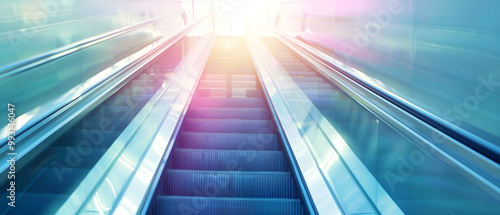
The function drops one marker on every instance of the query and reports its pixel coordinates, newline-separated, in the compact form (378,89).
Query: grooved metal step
(228,184)
(229,102)
(229,160)
(212,205)
(228,126)
(228,141)
(228,113)
(250,93)
(227,156)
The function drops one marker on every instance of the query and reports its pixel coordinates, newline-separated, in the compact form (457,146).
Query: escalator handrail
(78,200)
(19,67)
(318,199)
(473,141)
(61,117)
(137,190)
(458,156)
(39,60)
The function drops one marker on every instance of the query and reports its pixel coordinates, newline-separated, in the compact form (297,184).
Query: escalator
(48,180)
(228,157)
(351,120)
(414,177)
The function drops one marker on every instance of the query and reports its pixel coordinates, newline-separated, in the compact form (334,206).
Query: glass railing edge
(16,67)
(319,191)
(82,198)
(33,137)
(470,163)
(483,146)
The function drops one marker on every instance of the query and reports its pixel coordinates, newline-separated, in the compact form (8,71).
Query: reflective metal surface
(441,56)
(454,132)
(417,175)
(463,160)
(24,145)
(105,185)
(322,198)
(186,78)
(37,164)
(60,71)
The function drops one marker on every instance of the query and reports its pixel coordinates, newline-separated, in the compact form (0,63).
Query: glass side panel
(45,183)
(38,91)
(29,28)
(418,181)
(441,55)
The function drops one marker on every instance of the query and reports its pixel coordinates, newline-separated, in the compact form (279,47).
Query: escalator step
(214,77)
(229,160)
(212,84)
(249,93)
(209,205)
(228,126)
(221,77)
(251,85)
(251,78)
(224,85)
(228,184)
(214,61)
(229,102)
(231,71)
(228,157)
(228,113)
(228,141)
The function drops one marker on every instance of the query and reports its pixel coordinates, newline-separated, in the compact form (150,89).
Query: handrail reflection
(144,160)
(55,54)
(473,141)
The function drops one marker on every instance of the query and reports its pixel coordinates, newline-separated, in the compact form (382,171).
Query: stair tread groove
(228,141)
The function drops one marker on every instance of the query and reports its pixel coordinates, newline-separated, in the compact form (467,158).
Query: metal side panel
(465,161)
(222,156)
(127,161)
(44,65)
(320,195)
(189,74)
(34,140)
